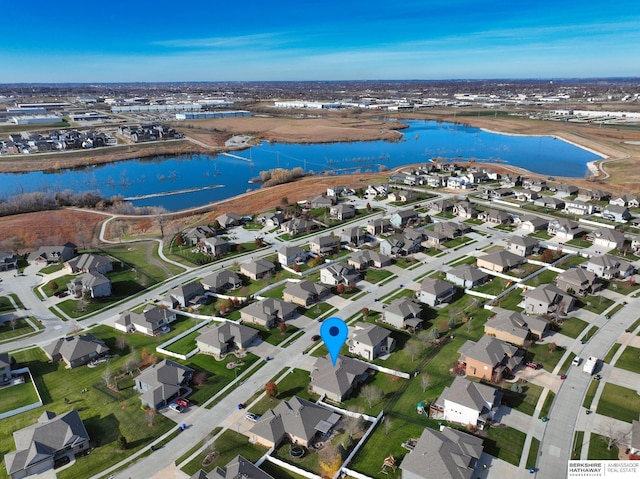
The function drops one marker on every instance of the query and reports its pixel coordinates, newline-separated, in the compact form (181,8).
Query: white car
(176,407)
(252,417)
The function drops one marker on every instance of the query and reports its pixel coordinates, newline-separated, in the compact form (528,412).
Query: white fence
(292,468)
(161,348)
(28,407)
(361,443)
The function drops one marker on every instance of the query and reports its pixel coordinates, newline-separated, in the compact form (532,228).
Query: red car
(532,365)
(183,402)
(315,337)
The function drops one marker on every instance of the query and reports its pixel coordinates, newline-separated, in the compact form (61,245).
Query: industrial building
(35,119)
(201,115)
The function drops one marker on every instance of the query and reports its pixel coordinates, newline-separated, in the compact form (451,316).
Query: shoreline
(591,165)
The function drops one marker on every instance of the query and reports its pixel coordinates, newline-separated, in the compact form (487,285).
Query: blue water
(422,141)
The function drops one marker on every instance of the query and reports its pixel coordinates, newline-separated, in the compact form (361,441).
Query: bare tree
(370,394)
(107,376)
(387,425)
(612,435)
(414,348)
(13,322)
(425,381)
(121,342)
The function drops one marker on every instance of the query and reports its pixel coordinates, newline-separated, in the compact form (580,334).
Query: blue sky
(206,40)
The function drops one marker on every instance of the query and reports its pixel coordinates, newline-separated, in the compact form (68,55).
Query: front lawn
(293,384)
(613,396)
(595,304)
(623,287)
(591,393)
(526,401)
(228,445)
(8,332)
(374,276)
(317,310)
(274,335)
(532,458)
(505,443)
(572,327)
(629,359)
(57,285)
(546,407)
(545,355)
(598,449)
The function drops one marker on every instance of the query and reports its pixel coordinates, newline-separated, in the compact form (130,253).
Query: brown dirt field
(52,227)
(290,130)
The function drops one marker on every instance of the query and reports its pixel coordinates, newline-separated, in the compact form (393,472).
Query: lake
(150,181)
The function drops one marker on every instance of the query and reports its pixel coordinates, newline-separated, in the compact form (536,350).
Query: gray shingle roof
(339,379)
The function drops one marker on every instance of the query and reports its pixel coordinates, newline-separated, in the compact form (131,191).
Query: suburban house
(267,312)
(531,224)
(185,295)
(499,193)
(271,220)
(440,206)
(564,189)
(466,276)
(534,184)
(594,195)
(76,350)
(550,202)
(8,261)
(161,382)
(489,358)
(496,217)
(631,201)
(92,283)
(522,245)
(258,268)
(510,181)
(297,419)
(339,273)
(221,280)
(291,255)
(499,261)
(195,235)
(446,454)
(577,207)
(452,229)
(342,211)
(365,258)
(563,229)
(353,236)
(514,327)
(227,220)
(324,245)
(339,191)
(403,313)
(607,238)
(434,239)
(238,467)
(403,196)
(547,299)
(214,246)
(403,244)
(377,190)
(578,281)
(89,262)
(40,445)
(221,338)
(465,210)
(467,402)
(150,322)
(379,226)
(54,254)
(526,195)
(321,201)
(304,293)
(435,291)
(619,214)
(459,183)
(403,218)
(370,341)
(609,267)
(296,226)
(337,383)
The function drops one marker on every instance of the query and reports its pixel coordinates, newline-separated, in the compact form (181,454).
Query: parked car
(252,417)
(533,365)
(315,337)
(182,402)
(176,407)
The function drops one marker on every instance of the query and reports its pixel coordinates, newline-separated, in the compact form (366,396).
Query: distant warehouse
(35,119)
(201,115)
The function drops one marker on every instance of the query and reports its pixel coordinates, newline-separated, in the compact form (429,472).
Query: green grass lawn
(57,285)
(106,416)
(505,443)
(374,276)
(578,440)
(542,354)
(546,407)
(399,293)
(143,256)
(228,445)
(572,327)
(317,310)
(633,326)
(455,242)
(511,300)
(595,304)
(542,234)
(5,305)
(611,353)
(52,268)
(546,277)
(598,448)
(18,396)
(526,401)
(494,286)
(274,335)
(532,458)
(579,243)
(405,262)
(279,472)
(197,446)
(629,359)
(274,292)
(623,287)
(590,394)
(7,333)
(186,344)
(613,397)
(573,260)
(389,385)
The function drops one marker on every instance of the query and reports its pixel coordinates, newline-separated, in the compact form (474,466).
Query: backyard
(611,399)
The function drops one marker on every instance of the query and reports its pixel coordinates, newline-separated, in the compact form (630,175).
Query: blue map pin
(334,333)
